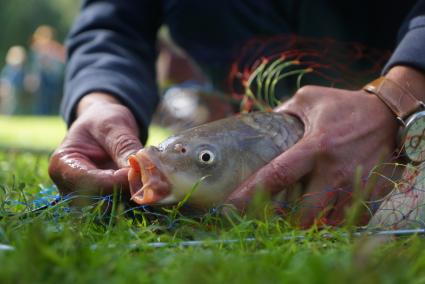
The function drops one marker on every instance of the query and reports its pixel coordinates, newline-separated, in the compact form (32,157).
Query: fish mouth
(148,184)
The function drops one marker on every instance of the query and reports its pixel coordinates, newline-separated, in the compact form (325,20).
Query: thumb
(280,173)
(119,139)
(120,144)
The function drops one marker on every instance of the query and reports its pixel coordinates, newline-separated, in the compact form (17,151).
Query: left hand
(343,130)
(92,159)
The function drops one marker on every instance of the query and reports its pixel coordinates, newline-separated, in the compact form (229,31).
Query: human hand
(343,130)
(93,156)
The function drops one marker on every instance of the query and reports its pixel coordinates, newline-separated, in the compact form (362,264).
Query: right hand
(93,156)
(339,138)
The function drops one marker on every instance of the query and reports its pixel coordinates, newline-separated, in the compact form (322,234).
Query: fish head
(190,163)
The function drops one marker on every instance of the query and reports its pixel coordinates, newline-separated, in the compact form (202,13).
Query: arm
(410,50)
(111,49)
(110,94)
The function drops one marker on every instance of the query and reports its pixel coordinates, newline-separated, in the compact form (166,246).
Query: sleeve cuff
(117,85)
(411,49)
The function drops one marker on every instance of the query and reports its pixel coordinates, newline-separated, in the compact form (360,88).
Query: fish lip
(148,183)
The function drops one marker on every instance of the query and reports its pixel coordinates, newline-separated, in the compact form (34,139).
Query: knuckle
(55,162)
(123,143)
(304,95)
(55,171)
(305,91)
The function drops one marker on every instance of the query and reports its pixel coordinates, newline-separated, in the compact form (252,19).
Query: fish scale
(235,148)
(276,126)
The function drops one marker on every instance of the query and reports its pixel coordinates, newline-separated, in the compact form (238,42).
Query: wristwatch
(409,111)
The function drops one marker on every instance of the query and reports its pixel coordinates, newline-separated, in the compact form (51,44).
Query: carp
(209,161)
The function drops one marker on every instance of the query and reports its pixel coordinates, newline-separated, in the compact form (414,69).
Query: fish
(209,161)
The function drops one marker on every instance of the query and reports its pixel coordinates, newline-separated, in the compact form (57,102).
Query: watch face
(414,143)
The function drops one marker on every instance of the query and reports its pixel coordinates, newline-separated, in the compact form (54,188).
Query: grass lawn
(45,133)
(85,245)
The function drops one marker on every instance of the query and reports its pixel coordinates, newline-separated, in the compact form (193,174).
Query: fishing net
(266,73)
(270,70)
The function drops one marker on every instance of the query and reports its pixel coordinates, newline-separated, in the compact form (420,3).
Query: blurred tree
(20,18)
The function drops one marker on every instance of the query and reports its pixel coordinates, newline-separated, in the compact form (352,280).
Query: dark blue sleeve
(111,49)
(410,50)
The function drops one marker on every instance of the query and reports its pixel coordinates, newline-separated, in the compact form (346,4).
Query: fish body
(217,157)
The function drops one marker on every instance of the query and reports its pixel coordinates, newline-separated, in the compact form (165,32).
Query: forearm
(111,51)
(410,49)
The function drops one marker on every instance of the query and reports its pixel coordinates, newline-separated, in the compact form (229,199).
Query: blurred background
(32,62)
(32,55)
(31,71)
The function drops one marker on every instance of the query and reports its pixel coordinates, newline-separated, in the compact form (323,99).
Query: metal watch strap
(400,100)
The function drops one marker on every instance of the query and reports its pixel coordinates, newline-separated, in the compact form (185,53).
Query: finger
(119,139)
(75,172)
(374,186)
(280,173)
(319,202)
(325,204)
(327,197)
(348,210)
(121,145)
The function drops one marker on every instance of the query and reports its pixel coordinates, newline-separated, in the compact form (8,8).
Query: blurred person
(12,96)
(46,64)
(110,92)
(7,102)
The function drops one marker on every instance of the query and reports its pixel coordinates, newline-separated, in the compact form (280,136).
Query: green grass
(86,246)
(31,132)
(83,246)
(46,133)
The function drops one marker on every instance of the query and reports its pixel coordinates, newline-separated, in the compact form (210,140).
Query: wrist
(403,91)
(95,98)
(410,79)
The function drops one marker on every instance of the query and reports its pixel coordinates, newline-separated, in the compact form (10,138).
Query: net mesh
(269,71)
(266,73)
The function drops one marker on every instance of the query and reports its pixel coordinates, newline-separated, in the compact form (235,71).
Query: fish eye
(206,157)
